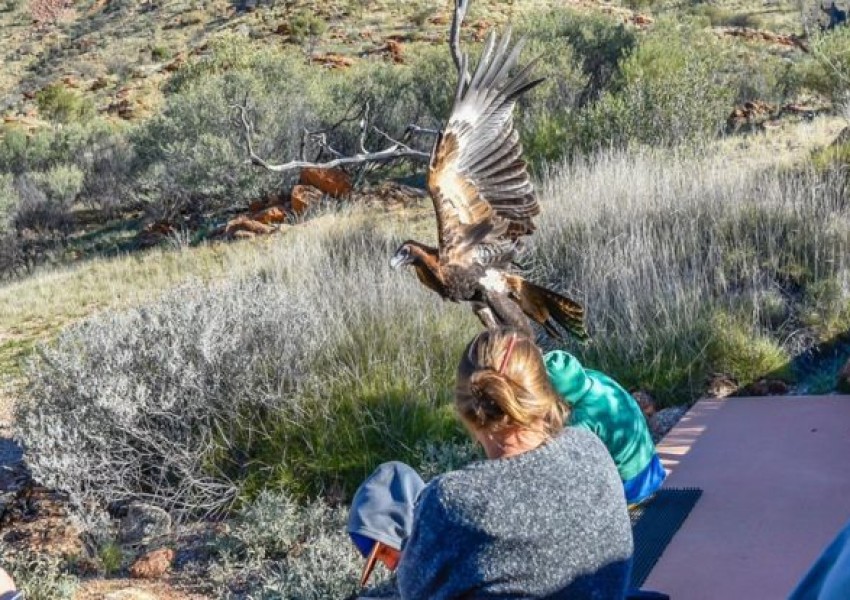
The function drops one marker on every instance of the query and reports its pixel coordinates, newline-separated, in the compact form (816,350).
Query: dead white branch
(461,6)
(396,151)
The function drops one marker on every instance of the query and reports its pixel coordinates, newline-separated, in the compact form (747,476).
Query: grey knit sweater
(548,523)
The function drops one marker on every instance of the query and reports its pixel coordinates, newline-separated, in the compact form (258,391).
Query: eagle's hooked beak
(402,258)
(398,261)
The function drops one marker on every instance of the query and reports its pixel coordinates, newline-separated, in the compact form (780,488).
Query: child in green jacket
(602,406)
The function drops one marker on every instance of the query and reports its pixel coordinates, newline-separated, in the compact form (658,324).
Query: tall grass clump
(302,377)
(689,266)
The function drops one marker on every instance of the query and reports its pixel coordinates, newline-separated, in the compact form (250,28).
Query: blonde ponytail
(502,383)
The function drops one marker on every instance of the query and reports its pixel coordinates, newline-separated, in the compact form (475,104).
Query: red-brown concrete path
(776,478)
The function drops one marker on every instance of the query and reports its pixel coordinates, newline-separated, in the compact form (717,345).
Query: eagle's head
(404,256)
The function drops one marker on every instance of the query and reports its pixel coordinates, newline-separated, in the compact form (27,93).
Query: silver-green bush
(149,404)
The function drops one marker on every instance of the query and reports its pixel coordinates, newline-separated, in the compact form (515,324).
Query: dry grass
(38,307)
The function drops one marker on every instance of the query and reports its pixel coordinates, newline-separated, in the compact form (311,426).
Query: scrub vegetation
(258,382)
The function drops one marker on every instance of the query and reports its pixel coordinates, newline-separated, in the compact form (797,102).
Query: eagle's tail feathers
(548,308)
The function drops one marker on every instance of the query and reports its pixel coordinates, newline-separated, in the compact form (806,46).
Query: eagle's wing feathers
(479,183)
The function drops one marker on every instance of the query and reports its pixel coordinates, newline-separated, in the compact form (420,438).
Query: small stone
(273,214)
(143,522)
(152,565)
(247,224)
(332,60)
(396,50)
(758,388)
(721,385)
(777,387)
(99,83)
(768,387)
(175,64)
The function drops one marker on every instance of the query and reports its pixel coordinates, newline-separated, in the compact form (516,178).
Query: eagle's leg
(485,315)
(508,313)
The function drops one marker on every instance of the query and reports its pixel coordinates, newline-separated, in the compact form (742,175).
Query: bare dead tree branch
(396,151)
(416,130)
(461,6)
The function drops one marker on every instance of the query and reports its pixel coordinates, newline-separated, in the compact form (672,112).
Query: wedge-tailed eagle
(485,202)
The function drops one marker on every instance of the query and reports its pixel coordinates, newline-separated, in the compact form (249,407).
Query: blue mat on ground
(653,526)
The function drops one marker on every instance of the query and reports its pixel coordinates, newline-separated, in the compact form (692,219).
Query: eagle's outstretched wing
(477,178)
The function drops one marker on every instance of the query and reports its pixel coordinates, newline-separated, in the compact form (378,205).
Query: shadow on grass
(816,369)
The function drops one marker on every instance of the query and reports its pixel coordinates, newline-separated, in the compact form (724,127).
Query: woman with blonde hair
(542,517)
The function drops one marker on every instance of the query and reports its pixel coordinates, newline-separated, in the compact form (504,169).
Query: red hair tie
(508,353)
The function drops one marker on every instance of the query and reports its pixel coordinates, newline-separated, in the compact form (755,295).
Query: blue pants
(644,484)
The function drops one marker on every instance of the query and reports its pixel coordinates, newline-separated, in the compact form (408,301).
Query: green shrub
(111,558)
(825,308)
(62,183)
(764,76)
(579,57)
(719,16)
(826,68)
(305,25)
(8,200)
(641,4)
(564,37)
(160,53)
(13,6)
(193,154)
(38,212)
(671,89)
(59,103)
(834,156)
(47,147)
(109,168)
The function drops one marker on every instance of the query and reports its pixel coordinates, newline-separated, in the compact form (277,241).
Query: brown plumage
(484,203)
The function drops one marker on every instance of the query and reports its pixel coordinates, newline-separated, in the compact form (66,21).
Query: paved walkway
(776,478)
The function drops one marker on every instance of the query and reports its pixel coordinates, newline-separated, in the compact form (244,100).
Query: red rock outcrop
(332,182)
(302,198)
(152,565)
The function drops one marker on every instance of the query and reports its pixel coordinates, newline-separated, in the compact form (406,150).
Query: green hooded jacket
(602,406)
